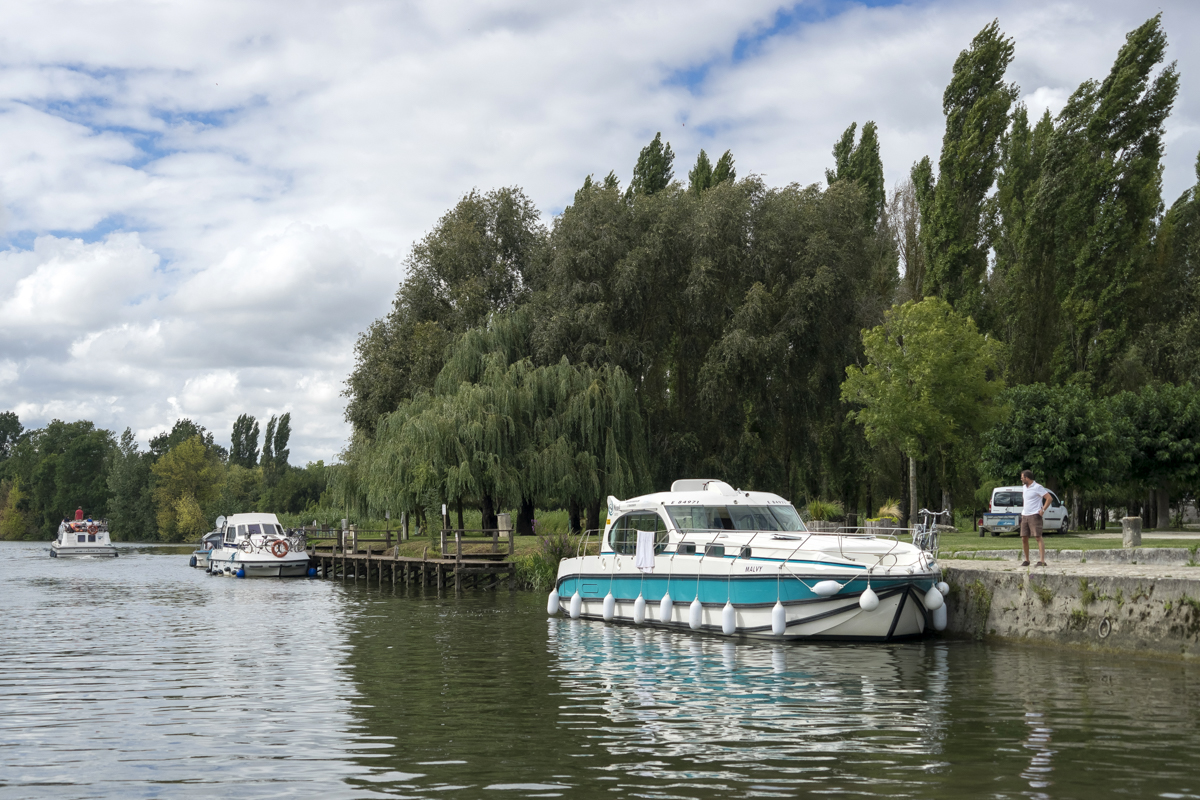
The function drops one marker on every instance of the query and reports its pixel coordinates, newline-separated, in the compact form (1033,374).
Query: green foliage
(861,163)
(1098,196)
(1061,433)
(700,176)
(825,510)
(478,259)
(1160,426)
(653,171)
(185,478)
(243,449)
(928,380)
(131,515)
(14,512)
(62,467)
(10,431)
(976,104)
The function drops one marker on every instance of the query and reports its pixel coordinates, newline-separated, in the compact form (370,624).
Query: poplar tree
(724,171)
(1099,197)
(700,177)
(653,171)
(861,163)
(243,447)
(976,104)
(1022,303)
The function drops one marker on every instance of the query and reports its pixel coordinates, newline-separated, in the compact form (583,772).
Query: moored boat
(83,538)
(707,557)
(203,550)
(257,546)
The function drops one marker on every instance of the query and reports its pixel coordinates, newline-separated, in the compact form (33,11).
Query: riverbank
(1141,600)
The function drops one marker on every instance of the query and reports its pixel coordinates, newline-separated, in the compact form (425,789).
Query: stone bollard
(1131,531)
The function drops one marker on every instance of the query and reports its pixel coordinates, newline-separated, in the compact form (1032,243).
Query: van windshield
(735,518)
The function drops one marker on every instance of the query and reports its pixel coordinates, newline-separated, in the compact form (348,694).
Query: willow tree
(472,264)
(501,431)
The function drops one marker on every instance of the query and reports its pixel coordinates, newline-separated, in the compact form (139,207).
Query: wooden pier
(467,558)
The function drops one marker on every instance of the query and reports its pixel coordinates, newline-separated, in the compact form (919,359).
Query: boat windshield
(735,518)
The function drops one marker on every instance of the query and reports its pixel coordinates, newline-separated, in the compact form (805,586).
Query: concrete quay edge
(1145,609)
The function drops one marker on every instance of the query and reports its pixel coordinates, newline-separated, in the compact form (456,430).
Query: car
(1004,512)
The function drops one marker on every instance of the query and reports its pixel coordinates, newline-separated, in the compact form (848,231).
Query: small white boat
(707,557)
(86,537)
(257,546)
(204,549)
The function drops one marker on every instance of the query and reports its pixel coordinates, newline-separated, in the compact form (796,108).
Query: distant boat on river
(707,557)
(83,537)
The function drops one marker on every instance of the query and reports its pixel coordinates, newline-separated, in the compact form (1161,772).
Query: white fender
(827,588)
(697,614)
(576,605)
(944,588)
(728,619)
(665,607)
(610,606)
(552,602)
(939,618)
(933,599)
(639,610)
(868,600)
(778,619)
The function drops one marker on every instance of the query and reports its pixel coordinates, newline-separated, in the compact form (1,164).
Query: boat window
(255,529)
(745,553)
(91,537)
(735,518)
(230,533)
(82,537)
(714,550)
(686,549)
(622,536)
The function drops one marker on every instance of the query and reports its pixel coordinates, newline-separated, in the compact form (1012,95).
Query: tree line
(171,492)
(834,341)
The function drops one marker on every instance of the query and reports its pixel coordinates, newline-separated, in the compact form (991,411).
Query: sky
(203,204)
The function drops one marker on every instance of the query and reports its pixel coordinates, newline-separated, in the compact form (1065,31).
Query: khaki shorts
(1031,526)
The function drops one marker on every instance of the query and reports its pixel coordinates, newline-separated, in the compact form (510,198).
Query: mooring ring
(1105,628)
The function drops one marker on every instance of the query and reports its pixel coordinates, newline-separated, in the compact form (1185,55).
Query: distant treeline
(705,327)
(172,492)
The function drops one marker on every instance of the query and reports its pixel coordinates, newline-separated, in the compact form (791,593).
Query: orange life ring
(93,528)
(279,548)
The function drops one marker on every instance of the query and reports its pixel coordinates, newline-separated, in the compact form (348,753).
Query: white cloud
(207,202)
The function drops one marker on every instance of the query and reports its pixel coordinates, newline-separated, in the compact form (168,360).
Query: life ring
(279,548)
(93,528)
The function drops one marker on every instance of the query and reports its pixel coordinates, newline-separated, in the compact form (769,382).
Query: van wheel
(1064,527)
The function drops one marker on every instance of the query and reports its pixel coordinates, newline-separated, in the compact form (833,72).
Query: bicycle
(925,533)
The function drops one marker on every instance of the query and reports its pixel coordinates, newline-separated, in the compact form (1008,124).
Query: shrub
(825,510)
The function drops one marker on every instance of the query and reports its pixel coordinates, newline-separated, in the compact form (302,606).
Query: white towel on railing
(643,559)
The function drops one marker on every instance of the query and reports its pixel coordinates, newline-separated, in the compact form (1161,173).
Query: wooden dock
(468,559)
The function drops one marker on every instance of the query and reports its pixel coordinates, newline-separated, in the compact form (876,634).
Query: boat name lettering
(755,568)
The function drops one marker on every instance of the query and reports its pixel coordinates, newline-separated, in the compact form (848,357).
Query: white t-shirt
(1032,495)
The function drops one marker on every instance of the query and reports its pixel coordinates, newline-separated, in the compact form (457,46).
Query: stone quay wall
(1140,601)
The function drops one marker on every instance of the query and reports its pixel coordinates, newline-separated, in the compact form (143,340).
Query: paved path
(1087,569)
(1151,534)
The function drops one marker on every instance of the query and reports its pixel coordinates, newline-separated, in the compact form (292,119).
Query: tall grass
(538,571)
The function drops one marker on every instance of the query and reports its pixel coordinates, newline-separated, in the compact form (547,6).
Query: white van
(1004,512)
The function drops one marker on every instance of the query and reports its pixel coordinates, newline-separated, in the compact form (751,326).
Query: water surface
(140,677)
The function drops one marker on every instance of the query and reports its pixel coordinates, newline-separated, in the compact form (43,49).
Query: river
(140,677)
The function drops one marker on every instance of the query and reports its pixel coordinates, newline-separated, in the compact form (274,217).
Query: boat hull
(900,614)
(288,567)
(83,551)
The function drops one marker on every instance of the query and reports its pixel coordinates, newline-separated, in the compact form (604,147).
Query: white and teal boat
(707,557)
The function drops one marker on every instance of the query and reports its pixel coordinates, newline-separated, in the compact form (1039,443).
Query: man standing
(1036,501)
